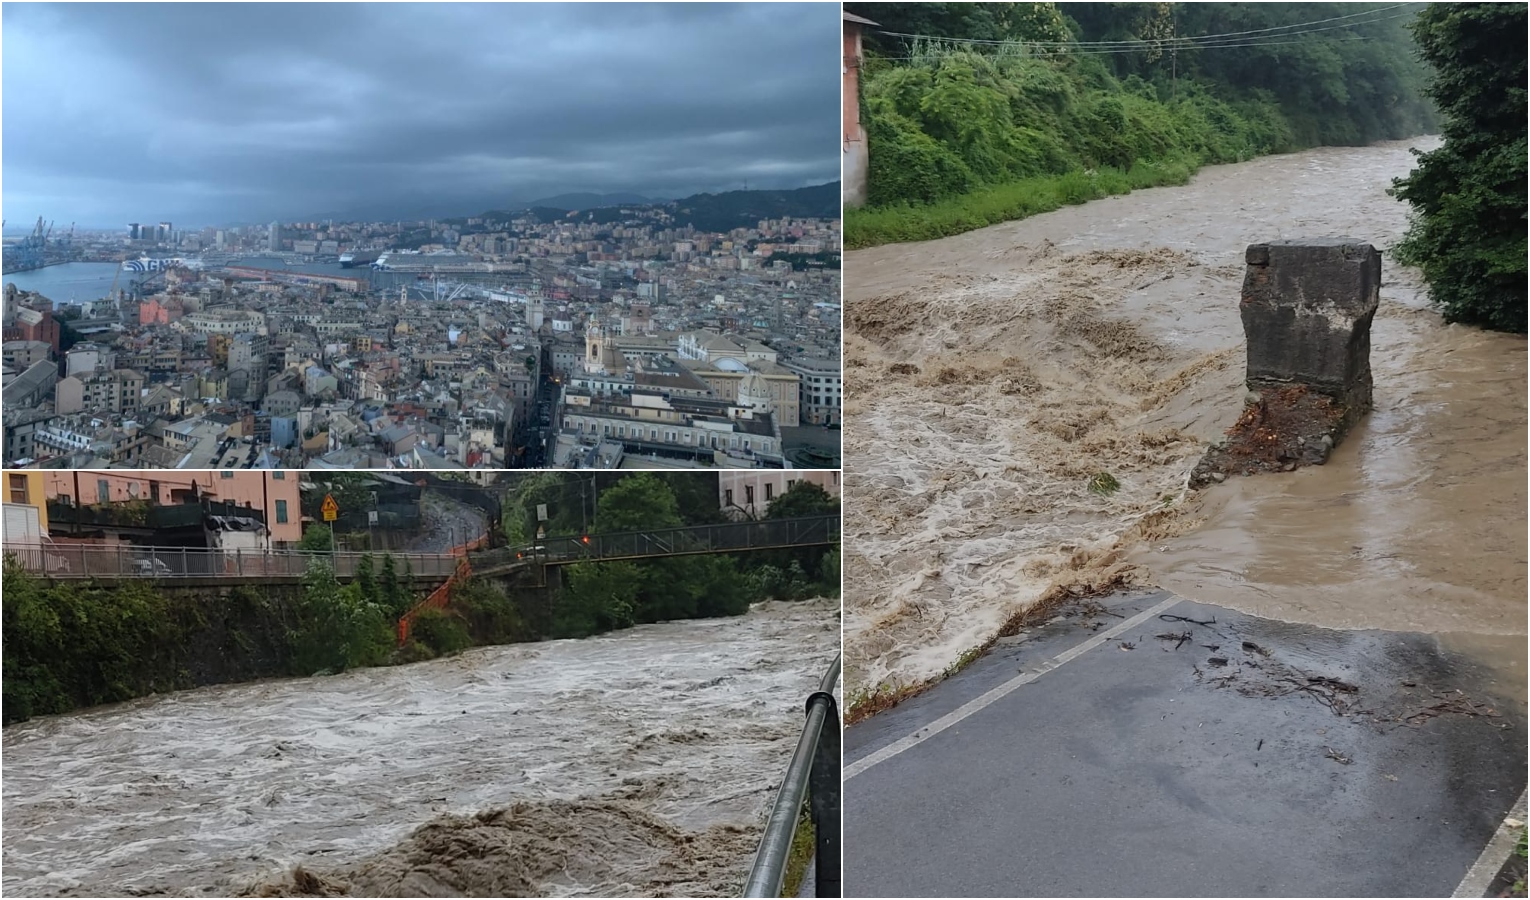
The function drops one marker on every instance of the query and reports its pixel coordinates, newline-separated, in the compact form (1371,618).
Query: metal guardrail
(813,774)
(680,541)
(131,561)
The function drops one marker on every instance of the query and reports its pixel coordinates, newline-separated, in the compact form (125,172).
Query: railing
(130,561)
(690,539)
(813,774)
(442,595)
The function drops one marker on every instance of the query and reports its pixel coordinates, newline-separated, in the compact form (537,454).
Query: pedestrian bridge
(189,566)
(689,540)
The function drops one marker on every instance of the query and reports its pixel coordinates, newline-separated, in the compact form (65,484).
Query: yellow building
(28,489)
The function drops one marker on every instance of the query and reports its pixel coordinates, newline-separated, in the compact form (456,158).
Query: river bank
(995,374)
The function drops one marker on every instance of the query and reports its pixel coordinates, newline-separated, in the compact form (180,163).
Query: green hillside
(977,114)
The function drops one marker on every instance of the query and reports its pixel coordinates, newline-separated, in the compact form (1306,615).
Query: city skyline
(329,111)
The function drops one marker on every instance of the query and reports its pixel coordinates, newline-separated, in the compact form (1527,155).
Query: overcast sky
(218,113)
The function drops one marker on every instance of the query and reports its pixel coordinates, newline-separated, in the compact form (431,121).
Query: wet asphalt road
(1134,772)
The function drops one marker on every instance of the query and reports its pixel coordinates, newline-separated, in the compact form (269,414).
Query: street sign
(541,512)
(330,508)
(371,517)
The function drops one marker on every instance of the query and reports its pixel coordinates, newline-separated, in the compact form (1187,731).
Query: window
(18,488)
(226,473)
(281,512)
(103,491)
(748,495)
(769,492)
(279,475)
(727,498)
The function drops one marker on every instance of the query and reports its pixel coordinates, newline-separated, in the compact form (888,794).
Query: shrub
(441,631)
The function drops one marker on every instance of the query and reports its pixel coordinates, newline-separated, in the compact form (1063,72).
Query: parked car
(151,567)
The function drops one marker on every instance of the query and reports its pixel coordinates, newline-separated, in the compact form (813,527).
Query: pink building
(275,492)
(854,161)
(749,491)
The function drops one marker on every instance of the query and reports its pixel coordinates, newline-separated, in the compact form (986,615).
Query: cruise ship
(352,258)
(443,261)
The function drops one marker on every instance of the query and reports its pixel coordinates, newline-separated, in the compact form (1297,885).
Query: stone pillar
(1307,309)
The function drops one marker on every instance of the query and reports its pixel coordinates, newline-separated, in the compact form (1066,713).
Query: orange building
(275,492)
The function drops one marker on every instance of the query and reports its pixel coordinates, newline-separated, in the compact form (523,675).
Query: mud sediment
(609,848)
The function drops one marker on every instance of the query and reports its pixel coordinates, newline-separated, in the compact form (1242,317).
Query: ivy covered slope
(1468,196)
(1103,98)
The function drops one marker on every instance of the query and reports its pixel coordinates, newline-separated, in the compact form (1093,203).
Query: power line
(1353,40)
(1187,42)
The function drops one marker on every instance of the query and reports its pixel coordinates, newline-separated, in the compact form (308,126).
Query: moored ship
(352,258)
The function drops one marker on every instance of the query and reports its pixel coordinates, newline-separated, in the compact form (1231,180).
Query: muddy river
(993,374)
(640,763)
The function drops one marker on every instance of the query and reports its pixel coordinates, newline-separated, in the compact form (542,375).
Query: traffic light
(586,539)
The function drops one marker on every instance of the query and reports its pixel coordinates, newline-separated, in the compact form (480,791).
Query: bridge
(192,566)
(687,540)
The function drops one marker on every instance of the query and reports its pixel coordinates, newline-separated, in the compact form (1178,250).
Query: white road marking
(1480,876)
(1003,690)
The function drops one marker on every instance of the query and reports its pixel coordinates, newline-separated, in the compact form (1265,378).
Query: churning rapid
(640,763)
(991,376)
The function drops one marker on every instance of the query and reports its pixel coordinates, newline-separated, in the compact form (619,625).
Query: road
(1127,764)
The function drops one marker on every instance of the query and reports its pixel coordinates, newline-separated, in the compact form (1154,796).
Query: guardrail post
(824,804)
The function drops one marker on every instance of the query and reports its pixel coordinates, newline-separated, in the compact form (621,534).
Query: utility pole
(1174,50)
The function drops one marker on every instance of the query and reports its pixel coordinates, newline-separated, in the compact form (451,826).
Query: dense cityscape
(681,334)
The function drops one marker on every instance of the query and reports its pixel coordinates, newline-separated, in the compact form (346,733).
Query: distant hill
(569,203)
(742,209)
(589,201)
(707,212)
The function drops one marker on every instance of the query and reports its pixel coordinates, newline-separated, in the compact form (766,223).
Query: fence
(141,514)
(729,537)
(129,561)
(813,775)
(439,597)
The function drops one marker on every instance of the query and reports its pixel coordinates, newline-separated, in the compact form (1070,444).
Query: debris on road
(1337,757)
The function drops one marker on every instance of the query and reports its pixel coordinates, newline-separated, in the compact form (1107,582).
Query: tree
(316,539)
(802,499)
(638,502)
(393,593)
(1468,196)
(599,597)
(366,580)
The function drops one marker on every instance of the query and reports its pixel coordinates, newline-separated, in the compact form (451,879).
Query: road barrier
(813,774)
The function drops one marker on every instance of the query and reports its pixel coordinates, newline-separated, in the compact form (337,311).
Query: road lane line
(1480,876)
(1003,690)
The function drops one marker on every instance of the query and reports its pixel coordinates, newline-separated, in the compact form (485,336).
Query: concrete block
(1307,309)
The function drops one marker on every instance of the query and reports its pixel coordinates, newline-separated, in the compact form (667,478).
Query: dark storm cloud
(212,113)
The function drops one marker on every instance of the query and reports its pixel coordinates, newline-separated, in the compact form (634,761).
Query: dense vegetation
(69,645)
(963,135)
(604,596)
(1468,196)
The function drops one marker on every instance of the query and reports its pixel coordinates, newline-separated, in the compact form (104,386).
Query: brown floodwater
(637,763)
(993,374)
